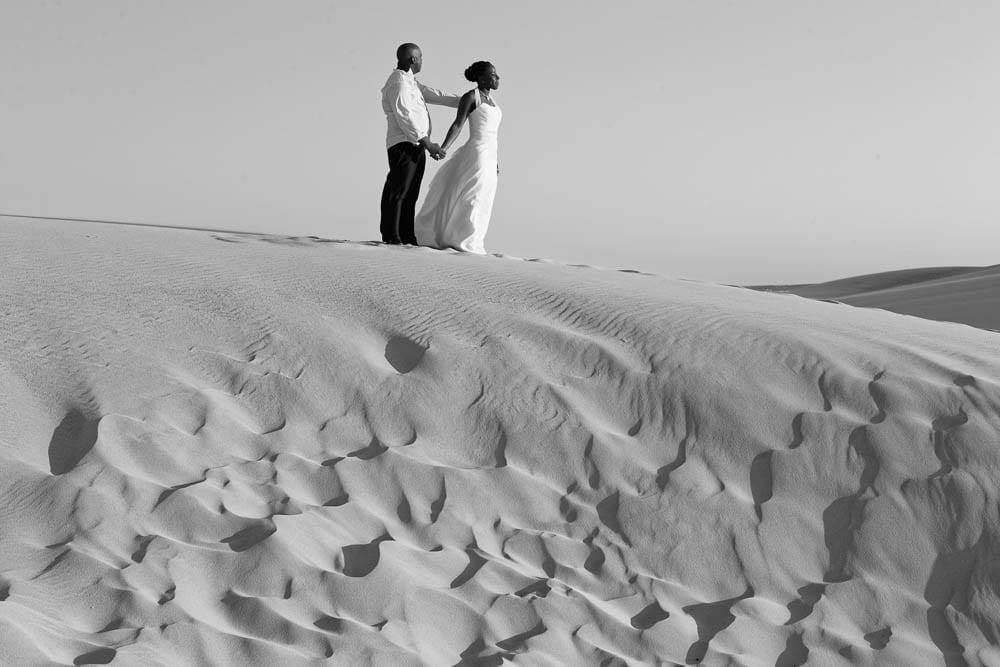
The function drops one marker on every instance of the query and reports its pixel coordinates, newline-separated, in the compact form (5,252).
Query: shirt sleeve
(402,109)
(435,96)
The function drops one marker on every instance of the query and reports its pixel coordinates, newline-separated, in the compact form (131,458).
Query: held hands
(436,151)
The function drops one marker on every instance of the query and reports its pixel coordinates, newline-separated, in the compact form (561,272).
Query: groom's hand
(436,151)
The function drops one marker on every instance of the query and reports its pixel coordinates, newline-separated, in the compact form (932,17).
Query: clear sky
(747,142)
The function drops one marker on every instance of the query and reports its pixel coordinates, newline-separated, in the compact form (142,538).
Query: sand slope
(970,295)
(233,449)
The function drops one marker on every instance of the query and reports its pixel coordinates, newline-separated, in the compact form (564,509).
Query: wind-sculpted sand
(236,449)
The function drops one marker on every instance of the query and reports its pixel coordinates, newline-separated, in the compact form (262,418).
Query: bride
(456,211)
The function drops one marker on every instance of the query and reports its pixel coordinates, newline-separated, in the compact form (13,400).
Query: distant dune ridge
(238,449)
(966,294)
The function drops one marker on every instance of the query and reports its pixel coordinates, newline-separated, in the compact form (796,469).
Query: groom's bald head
(408,56)
(406,50)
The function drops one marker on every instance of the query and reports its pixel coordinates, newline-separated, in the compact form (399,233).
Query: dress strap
(479,99)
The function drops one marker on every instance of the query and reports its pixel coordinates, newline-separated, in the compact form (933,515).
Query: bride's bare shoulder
(467,102)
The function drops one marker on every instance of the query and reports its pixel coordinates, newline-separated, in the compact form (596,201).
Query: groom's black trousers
(399,196)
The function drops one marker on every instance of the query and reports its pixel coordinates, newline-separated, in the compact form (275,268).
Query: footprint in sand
(369,451)
(403,354)
(361,559)
(711,619)
(248,537)
(330,624)
(879,639)
(101,656)
(71,440)
(650,615)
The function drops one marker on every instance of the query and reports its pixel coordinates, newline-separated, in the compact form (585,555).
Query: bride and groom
(459,202)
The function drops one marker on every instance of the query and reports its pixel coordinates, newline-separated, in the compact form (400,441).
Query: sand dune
(236,449)
(970,295)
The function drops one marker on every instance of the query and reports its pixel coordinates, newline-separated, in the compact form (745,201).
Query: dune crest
(234,449)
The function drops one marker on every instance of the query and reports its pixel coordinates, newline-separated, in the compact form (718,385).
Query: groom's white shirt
(404,101)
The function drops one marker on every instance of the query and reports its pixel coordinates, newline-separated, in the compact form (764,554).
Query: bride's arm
(465,107)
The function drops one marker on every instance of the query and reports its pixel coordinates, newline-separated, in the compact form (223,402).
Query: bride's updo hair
(477,69)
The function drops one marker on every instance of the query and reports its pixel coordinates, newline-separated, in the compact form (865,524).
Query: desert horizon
(960,294)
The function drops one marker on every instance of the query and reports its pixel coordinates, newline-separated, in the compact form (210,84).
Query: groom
(409,135)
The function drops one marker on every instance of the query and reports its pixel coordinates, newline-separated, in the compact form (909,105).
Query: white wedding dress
(459,202)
